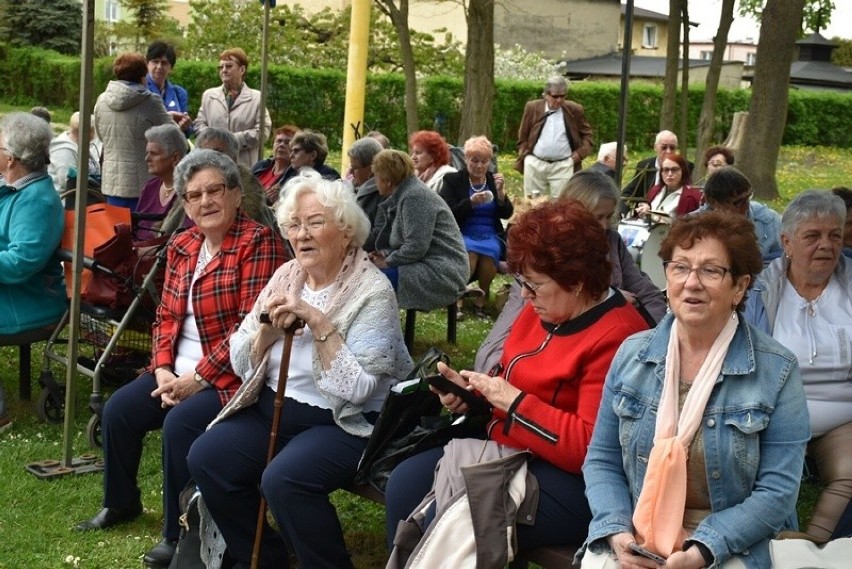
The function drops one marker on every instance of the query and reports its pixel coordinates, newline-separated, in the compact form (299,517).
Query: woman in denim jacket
(740,479)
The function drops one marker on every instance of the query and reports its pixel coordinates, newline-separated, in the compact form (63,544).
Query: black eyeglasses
(531,287)
(562,96)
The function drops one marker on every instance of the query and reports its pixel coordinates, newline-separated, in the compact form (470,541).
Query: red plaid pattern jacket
(223,294)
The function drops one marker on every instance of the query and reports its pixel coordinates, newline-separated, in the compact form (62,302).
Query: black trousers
(130,413)
(315,457)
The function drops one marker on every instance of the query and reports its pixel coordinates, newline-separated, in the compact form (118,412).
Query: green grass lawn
(37,517)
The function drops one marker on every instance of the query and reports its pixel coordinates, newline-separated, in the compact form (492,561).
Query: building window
(750,59)
(706,55)
(111,10)
(649,36)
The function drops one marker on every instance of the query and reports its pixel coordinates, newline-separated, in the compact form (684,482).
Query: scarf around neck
(658,518)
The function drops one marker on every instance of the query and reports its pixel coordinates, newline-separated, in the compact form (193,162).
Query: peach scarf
(658,518)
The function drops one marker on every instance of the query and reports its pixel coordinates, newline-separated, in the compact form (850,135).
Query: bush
(315,98)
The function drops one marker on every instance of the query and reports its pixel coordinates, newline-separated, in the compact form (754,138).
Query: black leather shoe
(109,517)
(161,554)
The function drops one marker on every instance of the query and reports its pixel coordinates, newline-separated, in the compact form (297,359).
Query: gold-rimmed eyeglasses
(212,192)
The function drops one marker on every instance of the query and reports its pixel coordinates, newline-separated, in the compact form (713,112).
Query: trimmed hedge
(315,98)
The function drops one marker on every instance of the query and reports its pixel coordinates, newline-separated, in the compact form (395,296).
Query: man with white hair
(553,139)
(606,159)
(647,172)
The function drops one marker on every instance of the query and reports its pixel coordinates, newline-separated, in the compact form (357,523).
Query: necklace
(166,191)
(478,187)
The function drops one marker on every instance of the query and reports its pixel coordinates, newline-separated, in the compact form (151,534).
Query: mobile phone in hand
(476,402)
(639,550)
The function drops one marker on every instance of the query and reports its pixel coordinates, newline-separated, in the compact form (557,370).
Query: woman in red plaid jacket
(214,273)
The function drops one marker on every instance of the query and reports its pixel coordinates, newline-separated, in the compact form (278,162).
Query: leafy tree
(149,21)
(50,24)
(816,15)
(842,55)
(319,40)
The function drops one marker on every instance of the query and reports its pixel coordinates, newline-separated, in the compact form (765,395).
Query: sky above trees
(706,12)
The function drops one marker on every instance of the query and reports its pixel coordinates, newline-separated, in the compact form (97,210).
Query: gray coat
(416,231)
(122,115)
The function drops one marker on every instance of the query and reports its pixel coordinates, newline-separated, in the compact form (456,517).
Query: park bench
(24,341)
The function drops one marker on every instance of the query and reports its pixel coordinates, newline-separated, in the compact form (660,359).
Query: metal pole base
(50,469)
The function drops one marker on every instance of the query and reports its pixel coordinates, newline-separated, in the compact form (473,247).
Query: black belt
(551,161)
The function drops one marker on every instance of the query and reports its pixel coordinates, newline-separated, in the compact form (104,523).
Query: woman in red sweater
(546,390)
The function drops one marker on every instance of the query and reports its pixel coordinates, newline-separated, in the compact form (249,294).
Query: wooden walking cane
(283,373)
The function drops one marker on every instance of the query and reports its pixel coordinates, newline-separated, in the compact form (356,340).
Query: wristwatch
(201,381)
(324,337)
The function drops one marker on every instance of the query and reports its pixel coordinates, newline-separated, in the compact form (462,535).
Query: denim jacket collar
(738,361)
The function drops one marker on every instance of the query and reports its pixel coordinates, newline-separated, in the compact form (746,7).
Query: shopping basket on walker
(118,302)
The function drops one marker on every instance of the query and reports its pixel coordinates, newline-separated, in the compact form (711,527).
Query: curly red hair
(563,240)
(434,145)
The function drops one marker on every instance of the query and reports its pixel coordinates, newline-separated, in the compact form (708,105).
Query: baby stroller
(120,293)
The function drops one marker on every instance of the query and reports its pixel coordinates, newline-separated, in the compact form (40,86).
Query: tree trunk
(479,89)
(667,116)
(707,120)
(767,117)
(399,19)
(683,127)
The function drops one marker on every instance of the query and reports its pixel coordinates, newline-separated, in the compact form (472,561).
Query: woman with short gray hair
(166,146)
(32,289)
(804,300)
(361,155)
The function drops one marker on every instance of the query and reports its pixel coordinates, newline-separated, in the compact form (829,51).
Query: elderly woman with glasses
(728,189)
(341,367)
(698,448)
(214,272)
(309,149)
(546,389)
(804,300)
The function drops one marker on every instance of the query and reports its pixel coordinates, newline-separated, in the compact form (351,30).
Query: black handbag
(188,551)
(412,421)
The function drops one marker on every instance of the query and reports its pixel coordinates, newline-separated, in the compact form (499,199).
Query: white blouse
(819,333)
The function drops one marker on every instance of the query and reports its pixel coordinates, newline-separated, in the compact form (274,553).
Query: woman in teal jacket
(32,288)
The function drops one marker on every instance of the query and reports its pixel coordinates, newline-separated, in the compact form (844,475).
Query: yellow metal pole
(356,76)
